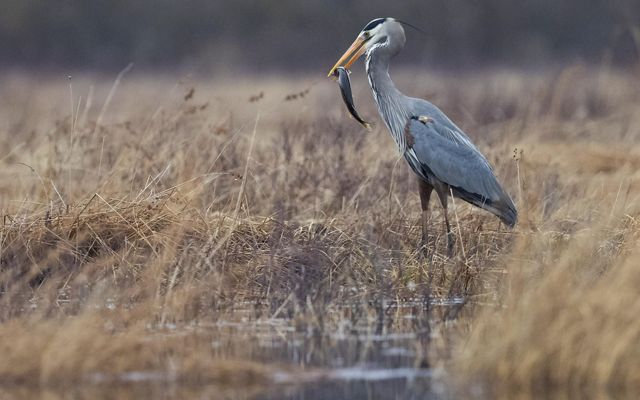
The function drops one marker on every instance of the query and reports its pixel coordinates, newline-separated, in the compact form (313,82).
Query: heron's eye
(366,35)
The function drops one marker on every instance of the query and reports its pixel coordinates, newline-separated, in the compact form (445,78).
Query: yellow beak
(354,52)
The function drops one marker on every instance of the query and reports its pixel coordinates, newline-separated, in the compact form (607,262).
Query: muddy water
(386,389)
(362,383)
(392,354)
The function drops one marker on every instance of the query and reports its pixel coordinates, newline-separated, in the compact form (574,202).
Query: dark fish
(345,89)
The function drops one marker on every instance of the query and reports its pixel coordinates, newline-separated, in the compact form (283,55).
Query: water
(352,383)
(358,389)
(373,356)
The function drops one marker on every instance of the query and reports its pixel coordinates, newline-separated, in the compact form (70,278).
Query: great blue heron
(439,152)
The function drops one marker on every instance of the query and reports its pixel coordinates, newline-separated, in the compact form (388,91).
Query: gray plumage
(439,152)
(442,154)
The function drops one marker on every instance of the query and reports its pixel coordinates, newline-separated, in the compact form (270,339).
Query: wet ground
(392,351)
(385,389)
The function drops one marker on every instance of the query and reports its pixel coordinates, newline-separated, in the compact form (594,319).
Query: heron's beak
(352,54)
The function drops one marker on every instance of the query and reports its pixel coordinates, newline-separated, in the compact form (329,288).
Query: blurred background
(247,36)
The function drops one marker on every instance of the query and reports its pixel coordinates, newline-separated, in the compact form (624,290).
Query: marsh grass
(190,204)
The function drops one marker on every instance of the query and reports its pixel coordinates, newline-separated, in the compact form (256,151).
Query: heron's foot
(451,242)
(425,250)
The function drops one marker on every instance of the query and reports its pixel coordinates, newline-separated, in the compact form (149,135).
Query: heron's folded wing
(450,157)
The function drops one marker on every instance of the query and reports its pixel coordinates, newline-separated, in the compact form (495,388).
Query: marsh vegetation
(247,235)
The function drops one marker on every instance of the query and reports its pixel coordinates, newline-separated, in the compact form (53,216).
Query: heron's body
(440,154)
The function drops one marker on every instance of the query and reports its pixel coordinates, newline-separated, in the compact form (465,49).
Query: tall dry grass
(197,202)
(565,319)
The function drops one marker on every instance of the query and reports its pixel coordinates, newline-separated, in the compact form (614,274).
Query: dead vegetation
(128,225)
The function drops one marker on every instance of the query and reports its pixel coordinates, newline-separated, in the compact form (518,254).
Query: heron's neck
(377,65)
(390,101)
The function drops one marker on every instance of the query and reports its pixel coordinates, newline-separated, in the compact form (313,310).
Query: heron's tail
(502,208)
(506,211)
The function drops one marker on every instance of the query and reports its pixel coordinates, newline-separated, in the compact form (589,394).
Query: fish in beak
(342,74)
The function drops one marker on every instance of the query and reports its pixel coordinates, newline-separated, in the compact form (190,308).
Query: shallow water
(358,389)
(375,356)
(353,383)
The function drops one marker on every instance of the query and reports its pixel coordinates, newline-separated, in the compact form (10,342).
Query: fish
(342,75)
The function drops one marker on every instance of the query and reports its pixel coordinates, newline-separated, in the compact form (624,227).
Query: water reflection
(358,389)
(374,356)
(399,389)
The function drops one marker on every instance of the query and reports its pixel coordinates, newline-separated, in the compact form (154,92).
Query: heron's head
(376,32)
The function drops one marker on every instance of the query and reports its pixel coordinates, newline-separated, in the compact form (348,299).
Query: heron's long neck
(388,98)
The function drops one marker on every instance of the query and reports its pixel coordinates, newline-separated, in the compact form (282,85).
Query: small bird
(440,153)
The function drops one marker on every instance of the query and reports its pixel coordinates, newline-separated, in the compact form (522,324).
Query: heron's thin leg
(442,195)
(425,190)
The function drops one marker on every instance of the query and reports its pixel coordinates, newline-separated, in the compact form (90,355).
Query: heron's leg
(442,195)
(425,190)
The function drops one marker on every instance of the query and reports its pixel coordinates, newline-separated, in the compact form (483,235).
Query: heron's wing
(440,150)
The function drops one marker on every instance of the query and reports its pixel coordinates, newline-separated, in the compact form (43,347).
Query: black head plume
(412,26)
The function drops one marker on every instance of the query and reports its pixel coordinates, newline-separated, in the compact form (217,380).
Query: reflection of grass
(118,239)
(89,348)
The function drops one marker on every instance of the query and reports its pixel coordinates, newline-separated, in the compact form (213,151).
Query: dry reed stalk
(128,249)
